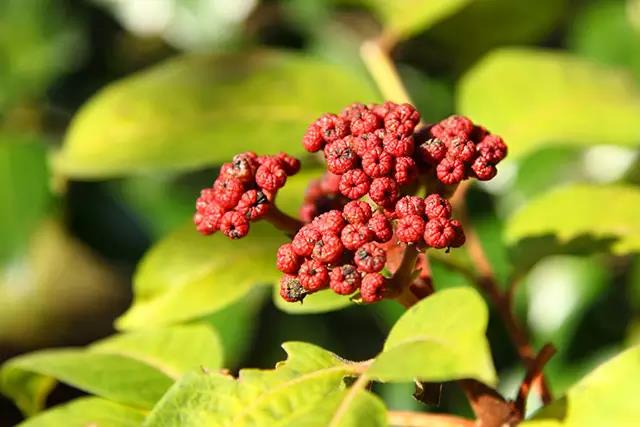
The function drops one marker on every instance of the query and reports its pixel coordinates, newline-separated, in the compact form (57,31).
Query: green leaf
(310,382)
(187,275)
(87,411)
(320,302)
(199,110)
(604,217)
(134,369)
(407,17)
(606,397)
(24,193)
(441,338)
(535,98)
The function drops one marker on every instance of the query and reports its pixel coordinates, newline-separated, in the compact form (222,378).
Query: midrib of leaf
(264,398)
(348,398)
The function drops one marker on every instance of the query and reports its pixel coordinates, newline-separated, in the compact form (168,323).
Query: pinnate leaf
(441,338)
(535,98)
(200,110)
(601,213)
(135,369)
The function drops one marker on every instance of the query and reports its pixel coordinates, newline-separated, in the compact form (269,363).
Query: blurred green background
(174,87)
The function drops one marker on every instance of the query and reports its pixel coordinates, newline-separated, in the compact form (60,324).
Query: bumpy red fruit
(492,148)
(253,205)
(227,191)
(287,260)
(436,206)
(372,288)
(313,275)
(450,171)
(405,171)
(333,127)
(370,258)
(381,228)
(365,143)
(461,149)
(354,184)
(271,175)
(357,212)
(439,233)
(304,240)
(291,289)
(345,279)
(459,238)
(432,151)
(384,191)
(377,163)
(328,249)
(483,170)
(340,157)
(290,164)
(355,235)
(398,145)
(329,222)
(365,122)
(409,205)
(410,228)
(234,225)
(312,139)
(453,127)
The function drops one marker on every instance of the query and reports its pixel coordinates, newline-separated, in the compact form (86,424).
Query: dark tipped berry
(370,258)
(409,205)
(355,235)
(253,205)
(286,259)
(365,143)
(377,163)
(344,280)
(234,225)
(398,145)
(365,122)
(271,176)
(483,170)
(461,149)
(492,148)
(329,222)
(381,227)
(439,233)
(328,249)
(304,240)
(405,171)
(333,127)
(340,157)
(227,191)
(291,289)
(437,206)
(432,151)
(313,275)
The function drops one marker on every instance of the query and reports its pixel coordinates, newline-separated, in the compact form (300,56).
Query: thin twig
(282,221)
(423,419)
(375,55)
(533,373)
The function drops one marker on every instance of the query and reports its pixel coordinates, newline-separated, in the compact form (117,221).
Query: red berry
(483,170)
(286,259)
(450,171)
(234,225)
(328,249)
(344,280)
(290,164)
(291,289)
(313,275)
(304,240)
(357,212)
(461,149)
(439,233)
(372,288)
(402,119)
(332,127)
(432,151)
(453,127)
(354,184)
(312,139)
(409,205)
(207,219)
(405,170)
(365,122)
(410,228)
(207,196)
(253,205)
(384,191)
(398,145)
(353,111)
(381,227)
(365,143)
(492,148)
(377,163)
(330,183)
(370,258)
(271,175)
(381,110)
(437,206)
(340,158)
(355,235)
(329,222)
(227,191)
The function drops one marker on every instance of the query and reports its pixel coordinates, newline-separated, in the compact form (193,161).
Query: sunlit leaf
(535,98)
(441,338)
(87,411)
(604,217)
(135,369)
(306,390)
(199,110)
(607,396)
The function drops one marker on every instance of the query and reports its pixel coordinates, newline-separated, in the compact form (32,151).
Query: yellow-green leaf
(536,97)
(199,110)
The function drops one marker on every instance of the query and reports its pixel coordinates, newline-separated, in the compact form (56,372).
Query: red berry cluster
(242,193)
(339,249)
(322,195)
(458,149)
(369,147)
